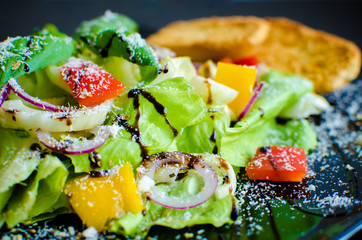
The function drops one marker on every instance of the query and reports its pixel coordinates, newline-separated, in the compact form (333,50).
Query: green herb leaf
(115,35)
(108,21)
(22,55)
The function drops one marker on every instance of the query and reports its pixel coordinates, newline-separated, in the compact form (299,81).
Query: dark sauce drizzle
(95,160)
(26,67)
(209,93)
(234,211)
(134,93)
(30,42)
(37,147)
(104,51)
(213,140)
(134,129)
(267,150)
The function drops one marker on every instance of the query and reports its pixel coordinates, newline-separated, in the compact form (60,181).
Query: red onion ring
(252,100)
(225,172)
(5,91)
(180,160)
(17,89)
(101,136)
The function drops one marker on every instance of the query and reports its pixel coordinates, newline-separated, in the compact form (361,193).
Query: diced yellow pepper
(97,200)
(239,78)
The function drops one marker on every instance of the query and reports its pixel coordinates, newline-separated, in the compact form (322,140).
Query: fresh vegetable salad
(129,136)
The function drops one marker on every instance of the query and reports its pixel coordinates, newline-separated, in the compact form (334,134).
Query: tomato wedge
(278,163)
(89,83)
(248,61)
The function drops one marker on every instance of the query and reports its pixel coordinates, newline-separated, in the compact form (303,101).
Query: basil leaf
(22,55)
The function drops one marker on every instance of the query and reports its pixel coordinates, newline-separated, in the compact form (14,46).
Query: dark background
(342,18)
(19,17)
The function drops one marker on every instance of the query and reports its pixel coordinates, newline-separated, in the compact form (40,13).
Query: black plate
(327,204)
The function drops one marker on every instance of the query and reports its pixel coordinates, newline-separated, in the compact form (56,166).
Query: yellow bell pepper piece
(239,78)
(96,200)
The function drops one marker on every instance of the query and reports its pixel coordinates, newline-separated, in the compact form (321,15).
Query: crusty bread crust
(328,60)
(212,38)
(281,43)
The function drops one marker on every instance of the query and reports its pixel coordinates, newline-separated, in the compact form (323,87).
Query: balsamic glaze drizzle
(30,41)
(213,140)
(95,160)
(134,129)
(26,67)
(209,93)
(104,51)
(134,93)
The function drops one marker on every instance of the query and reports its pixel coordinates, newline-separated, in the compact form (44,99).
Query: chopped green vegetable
(108,21)
(22,55)
(37,184)
(115,35)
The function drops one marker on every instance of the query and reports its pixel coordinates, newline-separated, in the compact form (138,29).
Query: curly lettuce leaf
(214,211)
(108,21)
(37,184)
(37,194)
(281,90)
(50,30)
(38,84)
(16,157)
(115,35)
(183,107)
(205,136)
(239,145)
(259,127)
(22,55)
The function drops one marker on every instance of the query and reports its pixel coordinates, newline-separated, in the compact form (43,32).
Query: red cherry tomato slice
(249,61)
(89,83)
(278,163)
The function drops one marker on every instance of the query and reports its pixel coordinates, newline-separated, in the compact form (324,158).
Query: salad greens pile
(33,177)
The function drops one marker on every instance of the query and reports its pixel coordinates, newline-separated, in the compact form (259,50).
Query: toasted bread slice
(212,38)
(328,60)
(283,44)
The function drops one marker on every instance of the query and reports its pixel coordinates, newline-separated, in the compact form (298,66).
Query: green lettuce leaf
(239,145)
(214,211)
(205,136)
(38,181)
(124,71)
(259,128)
(183,107)
(280,91)
(22,55)
(108,21)
(50,30)
(115,35)
(38,193)
(16,157)
(39,85)
(116,151)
